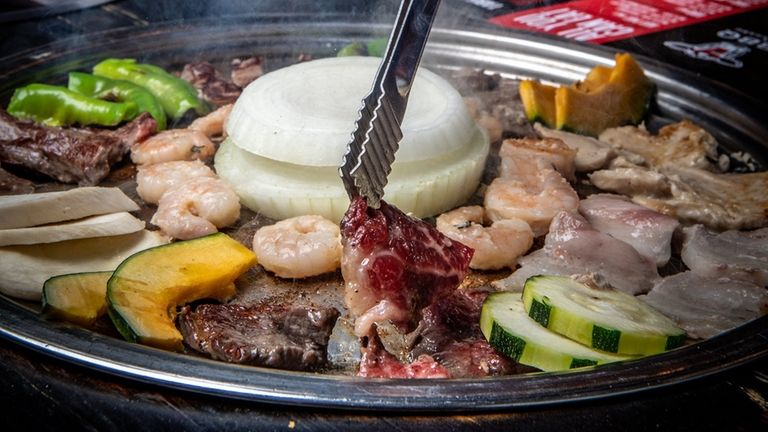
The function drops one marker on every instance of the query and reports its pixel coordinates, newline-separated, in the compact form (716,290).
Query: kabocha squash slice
(145,290)
(538,101)
(607,97)
(623,99)
(78,297)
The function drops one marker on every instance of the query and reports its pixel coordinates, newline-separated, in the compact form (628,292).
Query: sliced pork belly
(394,266)
(573,246)
(591,154)
(678,177)
(649,232)
(734,254)
(705,306)
(682,144)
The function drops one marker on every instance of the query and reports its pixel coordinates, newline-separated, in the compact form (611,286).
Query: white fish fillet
(24,269)
(95,226)
(649,232)
(705,306)
(20,211)
(733,254)
(572,246)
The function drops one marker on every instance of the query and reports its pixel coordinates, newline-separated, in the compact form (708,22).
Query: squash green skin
(145,290)
(77,297)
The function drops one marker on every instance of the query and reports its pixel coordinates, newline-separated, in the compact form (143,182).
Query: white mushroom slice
(19,211)
(95,226)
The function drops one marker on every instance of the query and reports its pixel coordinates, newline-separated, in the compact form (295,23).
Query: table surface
(43,393)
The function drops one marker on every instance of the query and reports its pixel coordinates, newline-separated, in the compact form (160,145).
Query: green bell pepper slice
(373,48)
(119,91)
(59,106)
(174,94)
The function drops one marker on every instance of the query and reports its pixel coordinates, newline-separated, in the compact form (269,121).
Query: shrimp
(212,125)
(496,246)
(299,247)
(170,145)
(196,208)
(153,181)
(535,198)
(531,185)
(533,154)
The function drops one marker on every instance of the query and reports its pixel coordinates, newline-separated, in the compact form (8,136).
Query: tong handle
(404,50)
(368,160)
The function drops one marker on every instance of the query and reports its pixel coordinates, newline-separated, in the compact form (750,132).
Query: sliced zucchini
(144,291)
(603,318)
(508,328)
(78,297)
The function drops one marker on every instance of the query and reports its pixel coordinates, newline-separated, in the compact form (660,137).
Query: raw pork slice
(734,254)
(649,232)
(573,246)
(268,334)
(394,265)
(704,306)
(69,155)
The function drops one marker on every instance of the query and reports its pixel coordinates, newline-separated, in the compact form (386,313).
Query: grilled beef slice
(266,334)
(210,86)
(450,333)
(69,155)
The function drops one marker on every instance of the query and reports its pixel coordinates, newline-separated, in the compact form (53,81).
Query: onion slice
(280,190)
(304,114)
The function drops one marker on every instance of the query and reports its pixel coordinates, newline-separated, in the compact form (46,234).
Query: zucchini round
(602,318)
(508,328)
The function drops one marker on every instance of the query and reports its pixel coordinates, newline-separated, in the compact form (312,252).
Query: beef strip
(378,363)
(69,155)
(450,333)
(13,185)
(210,86)
(395,265)
(268,334)
(245,71)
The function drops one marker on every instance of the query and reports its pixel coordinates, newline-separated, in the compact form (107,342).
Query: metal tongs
(370,153)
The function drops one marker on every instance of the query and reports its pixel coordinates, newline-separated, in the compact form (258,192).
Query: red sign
(601,21)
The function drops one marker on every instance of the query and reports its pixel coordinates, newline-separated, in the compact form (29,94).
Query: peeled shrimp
(212,125)
(532,154)
(197,207)
(298,247)
(535,197)
(496,246)
(152,181)
(174,144)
